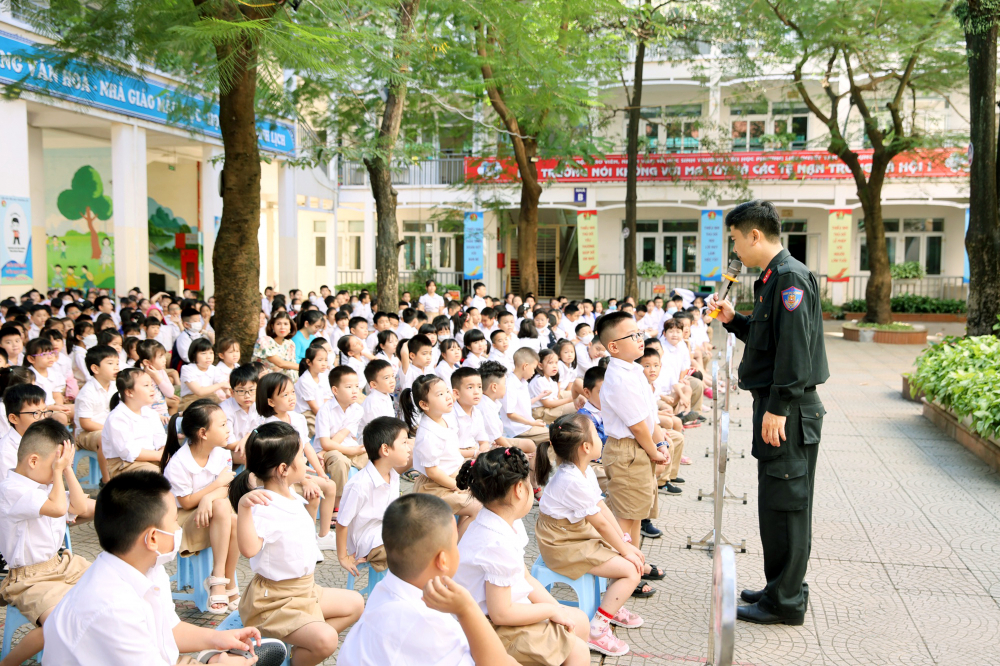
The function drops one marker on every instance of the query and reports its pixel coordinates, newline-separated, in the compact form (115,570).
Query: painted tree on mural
(85,200)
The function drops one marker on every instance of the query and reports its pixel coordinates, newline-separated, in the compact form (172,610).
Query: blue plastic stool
(233,621)
(192,572)
(588,587)
(67,542)
(12,623)
(93,478)
(373,578)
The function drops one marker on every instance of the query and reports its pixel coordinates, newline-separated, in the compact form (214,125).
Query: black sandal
(638,593)
(654,573)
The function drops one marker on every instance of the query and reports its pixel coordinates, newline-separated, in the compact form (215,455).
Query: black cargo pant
(786,478)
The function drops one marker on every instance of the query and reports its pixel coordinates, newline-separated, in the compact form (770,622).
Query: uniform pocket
(788,485)
(760,327)
(812,422)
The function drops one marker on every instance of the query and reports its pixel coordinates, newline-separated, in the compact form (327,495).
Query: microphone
(731,274)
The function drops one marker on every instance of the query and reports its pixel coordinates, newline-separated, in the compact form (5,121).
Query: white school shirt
(583,360)
(289,533)
(539,385)
(569,327)
(92,402)
(27,537)
(192,373)
(472,361)
(375,405)
(445,371)
(187,477)
(432,303)
(166,336)
(221,372)
(491,551)
(46,384)
(114,616)
(63,368)
(297,421)
(184,340)
(517,400)
(407,378)
(372,341)
(471,427)
(240,422)
(478,302)
(673,361)
(8,452)
(566,376)
(355,364)
(332,418)
(392,360)
(626,399)
(405,331)
(80,371)
(307,388)
(4,423)
(501,358)
(436,446)
(398,628)
(366,497)
(571,494)
(492,423)
(664,383)
(126,433)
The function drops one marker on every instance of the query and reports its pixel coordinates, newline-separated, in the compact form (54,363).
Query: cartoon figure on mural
(88,278)
(79,223)
(107,254)
(62,244)
(57,281)
(70,278)
(15,228)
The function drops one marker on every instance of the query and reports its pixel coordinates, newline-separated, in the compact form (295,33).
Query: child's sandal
(233,603)
(213,599)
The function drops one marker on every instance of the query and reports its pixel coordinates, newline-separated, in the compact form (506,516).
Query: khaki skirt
(570,549)
(456,499)
(279,608)
(544,643)
(195,538)
(118,466)
(39,587)
(310,422)
(191,397)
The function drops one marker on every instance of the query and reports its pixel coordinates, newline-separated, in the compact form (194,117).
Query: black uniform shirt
(785,351)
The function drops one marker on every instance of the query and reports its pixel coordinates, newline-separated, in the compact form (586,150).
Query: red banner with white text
(781,165)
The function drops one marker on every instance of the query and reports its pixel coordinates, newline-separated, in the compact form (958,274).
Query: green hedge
(912,304)
(963,375)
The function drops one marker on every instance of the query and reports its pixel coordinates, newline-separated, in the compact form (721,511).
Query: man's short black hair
(129,505)
(608,322)
(379,431)
(757,214)
(592,377)
(96,354)
(415,528)
(245,374)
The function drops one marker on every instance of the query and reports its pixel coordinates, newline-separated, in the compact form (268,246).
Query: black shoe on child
(649,530)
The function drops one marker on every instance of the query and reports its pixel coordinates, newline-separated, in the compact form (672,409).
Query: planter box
(987,450)
(911,394)
(918,336)
(908,317)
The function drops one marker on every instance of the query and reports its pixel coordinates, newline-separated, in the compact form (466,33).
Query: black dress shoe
(752,596)
(677,480)
(754,613)
(671,489)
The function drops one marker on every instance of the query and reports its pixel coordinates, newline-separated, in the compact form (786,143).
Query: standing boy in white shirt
(630,421)
(93,403)
(120,612)
(368,494)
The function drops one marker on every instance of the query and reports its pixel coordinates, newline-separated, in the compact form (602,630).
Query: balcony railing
(438,171)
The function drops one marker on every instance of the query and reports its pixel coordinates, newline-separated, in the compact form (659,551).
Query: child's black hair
(592,377)
(648,352)
(269,446)
(268,385)
(417,342)
(410,398)
(15,375)
(37,346)
(107,336)
(566,436)
(379,431)
(128,506)
(527,329)
(197,416)
(75,337)
(245,374)
(19,395)
(415,528)
(444,346)
(309,358)
(125,381)
(383,338)
(475,335)
(491,475)
(96,355)
(542,355)
(337,374)
(559,346)
(492,371)
(462,373)
(199,345)
(374,367)
(130,345)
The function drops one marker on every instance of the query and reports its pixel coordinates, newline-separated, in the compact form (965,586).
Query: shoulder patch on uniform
(792,298)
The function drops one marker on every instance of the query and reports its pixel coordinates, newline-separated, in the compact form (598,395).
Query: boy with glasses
(24,404)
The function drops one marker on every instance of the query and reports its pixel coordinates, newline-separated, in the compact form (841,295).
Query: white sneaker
(328,542)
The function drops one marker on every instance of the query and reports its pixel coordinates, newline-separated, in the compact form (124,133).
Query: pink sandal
(608,644)
(685,460)
(626,618)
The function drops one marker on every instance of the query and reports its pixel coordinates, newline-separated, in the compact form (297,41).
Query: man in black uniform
(783,362)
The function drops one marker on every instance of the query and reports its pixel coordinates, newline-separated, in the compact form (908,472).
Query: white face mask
(196,326)
(89,341)
(163,558)
(587,338)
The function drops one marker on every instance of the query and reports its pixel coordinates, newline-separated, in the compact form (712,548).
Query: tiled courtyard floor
(905,564)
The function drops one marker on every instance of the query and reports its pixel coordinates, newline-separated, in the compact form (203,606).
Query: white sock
(599,623)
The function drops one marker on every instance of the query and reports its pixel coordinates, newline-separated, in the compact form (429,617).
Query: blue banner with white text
(713,245)
(474,261)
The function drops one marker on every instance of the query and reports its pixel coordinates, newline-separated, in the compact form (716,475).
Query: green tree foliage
(85,199)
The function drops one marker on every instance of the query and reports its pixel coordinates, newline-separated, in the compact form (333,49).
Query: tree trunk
(982,241)
(95,242)
(380,173)
(236,257)
(632,149)
(527,223)
(879,290)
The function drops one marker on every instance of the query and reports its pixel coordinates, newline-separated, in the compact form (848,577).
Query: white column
(332,230)
(264,248)
(15,176)
(128,196)
(368,243)
(288,230)
(36,168)
(838,290)
(590,286)
(211,208)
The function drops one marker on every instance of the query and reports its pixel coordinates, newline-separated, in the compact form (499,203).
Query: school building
(119,190)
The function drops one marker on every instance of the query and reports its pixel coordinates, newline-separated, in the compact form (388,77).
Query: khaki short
(550,414)
(118,466)
(632,492)
(541,644)
(39,587)
(89,441)
(279,608)
(338,467)
(455,499)
(536,434)
(377,559)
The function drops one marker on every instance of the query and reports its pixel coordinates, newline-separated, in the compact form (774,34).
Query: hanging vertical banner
(586,244)
(838,263)
(15,255)
(713,245)
(965,272)
(473,267)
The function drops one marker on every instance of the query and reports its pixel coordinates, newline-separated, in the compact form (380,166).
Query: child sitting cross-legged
(369,493)
(276,532)
(336,437)
(417,614)
(133,435)
(93,402)
(576,532)
(199,378)
(120,612)
(544,388)
(199,473)
(36,499)
(436,453)
(516,412)
(532,625)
